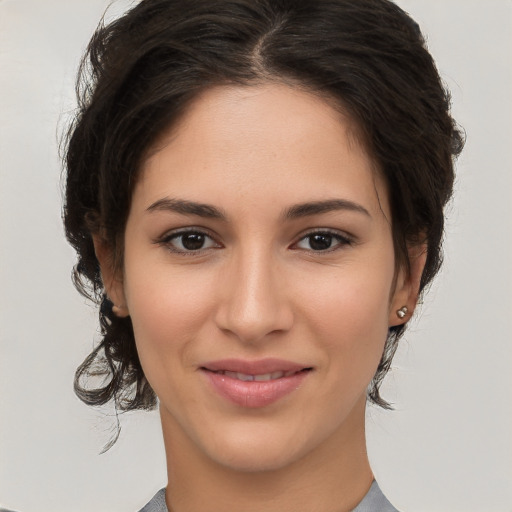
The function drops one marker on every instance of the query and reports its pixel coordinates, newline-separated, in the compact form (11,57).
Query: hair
(141,72)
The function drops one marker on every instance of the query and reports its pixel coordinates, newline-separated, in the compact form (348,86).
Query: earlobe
(407,288)
(112,283)
(120,311)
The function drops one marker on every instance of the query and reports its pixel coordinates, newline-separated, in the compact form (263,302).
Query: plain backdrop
(446,447)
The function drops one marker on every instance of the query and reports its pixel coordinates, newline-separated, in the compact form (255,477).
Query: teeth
(239,376)
(269,376)
(244,376)
(260,378)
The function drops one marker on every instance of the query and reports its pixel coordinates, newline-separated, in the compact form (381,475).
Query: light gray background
(447,446)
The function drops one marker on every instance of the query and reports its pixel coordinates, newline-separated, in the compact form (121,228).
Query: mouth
(253,384)
(263,377)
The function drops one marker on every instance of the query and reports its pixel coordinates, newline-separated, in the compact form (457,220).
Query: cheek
(167,310)
(357,297)
(347,313)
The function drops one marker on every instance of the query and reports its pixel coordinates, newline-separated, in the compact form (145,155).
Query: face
(259,274)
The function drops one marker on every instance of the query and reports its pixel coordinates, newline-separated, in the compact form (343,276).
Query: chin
(256,450)
(257,461)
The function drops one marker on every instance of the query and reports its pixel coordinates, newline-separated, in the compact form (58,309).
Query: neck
(333,478)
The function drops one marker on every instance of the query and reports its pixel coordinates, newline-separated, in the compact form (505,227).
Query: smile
(253,384)
(259,378)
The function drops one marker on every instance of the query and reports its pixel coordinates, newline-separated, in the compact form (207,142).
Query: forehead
(270,140)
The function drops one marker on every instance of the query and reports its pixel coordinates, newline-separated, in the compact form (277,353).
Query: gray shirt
(374,501)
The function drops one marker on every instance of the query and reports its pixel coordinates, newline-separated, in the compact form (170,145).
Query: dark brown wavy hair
(140,73)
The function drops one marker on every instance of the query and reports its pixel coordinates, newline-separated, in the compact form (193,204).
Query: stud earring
(402,312)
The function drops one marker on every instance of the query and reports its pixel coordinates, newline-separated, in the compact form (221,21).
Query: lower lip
(252,394)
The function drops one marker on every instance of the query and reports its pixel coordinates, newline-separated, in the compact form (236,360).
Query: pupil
(320,242)
(193,241)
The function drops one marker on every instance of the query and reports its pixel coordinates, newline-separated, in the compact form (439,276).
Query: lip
(257,367)
(254,394)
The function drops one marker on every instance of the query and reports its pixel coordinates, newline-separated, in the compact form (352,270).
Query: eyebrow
(297,211)
(187,208)
(317,207)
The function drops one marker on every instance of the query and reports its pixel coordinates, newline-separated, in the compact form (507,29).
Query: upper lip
(259,367)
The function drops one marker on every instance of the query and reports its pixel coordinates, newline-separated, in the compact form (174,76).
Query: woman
(255,190)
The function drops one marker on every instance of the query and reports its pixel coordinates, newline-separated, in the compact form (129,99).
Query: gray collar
(374,501)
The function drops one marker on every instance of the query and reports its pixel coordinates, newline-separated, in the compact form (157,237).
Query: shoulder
(157,504)
(375,501)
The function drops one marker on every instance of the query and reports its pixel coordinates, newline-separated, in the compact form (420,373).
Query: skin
(258,289)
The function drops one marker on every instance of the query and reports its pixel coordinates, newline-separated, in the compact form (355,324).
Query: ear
(111,277)
(407,286)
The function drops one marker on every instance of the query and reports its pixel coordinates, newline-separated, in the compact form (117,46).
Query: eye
(189,241)
(323,241)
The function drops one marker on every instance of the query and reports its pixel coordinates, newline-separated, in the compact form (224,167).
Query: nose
(254,298)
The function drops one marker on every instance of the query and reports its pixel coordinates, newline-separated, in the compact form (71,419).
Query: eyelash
(166,240)
(342,239)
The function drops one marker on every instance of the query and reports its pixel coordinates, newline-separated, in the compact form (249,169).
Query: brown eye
(189,241)
(193,241)
(322,241)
